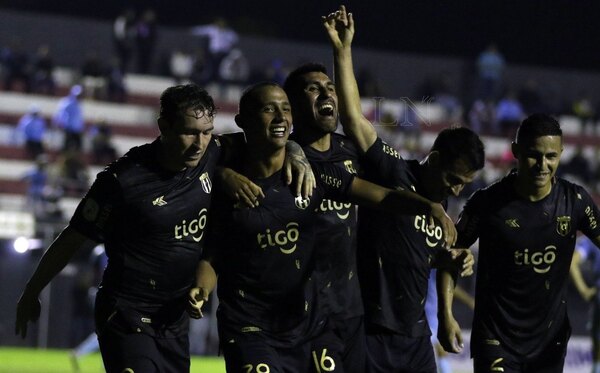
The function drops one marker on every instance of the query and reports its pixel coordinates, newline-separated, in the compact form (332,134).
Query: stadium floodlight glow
(21,245)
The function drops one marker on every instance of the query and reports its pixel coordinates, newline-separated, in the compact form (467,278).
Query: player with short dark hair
(150,209)
(263,256)
(526,224)
(396,252)
(314,107)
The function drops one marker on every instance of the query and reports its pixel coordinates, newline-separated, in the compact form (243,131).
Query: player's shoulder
(497,191)
(569,187)
(137,162)
(344,143)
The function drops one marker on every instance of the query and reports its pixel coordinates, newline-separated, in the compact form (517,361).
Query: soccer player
(396,252)
(264,256)
(314,107)
(150,209)
(526,224)
(585,250)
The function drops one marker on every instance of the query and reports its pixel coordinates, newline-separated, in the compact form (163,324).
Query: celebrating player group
(319,246)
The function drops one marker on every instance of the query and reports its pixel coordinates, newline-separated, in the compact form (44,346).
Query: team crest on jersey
(206,183)
(563,225)
(350,167)
(301,203)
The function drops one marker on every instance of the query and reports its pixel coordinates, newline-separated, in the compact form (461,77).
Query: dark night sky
(547,33)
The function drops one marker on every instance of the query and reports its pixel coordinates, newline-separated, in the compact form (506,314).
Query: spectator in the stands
(482,116)
(584,109)
(93,75)
(123,33)
(16,67)
(32,128)
(181,65)
(509,114)
(115,81)
(234,68)
(146,36)
(69,174)
(41,199)
(43,67)
(103,150)
(221,40)
(490,67)
(69,117)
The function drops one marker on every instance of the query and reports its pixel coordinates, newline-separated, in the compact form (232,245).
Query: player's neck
(530,192)
(166,161)
(315,139)
(322,144)
(263,163)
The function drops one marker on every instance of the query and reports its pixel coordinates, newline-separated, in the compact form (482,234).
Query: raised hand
(340,27)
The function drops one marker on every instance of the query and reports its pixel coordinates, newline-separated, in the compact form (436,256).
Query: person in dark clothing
(527,224)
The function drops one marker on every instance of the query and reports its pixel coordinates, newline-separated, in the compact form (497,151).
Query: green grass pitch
(27,360)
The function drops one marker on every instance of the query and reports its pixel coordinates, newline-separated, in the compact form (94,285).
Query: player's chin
(191,163)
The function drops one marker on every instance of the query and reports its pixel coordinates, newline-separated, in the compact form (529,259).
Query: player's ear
(239,121)
(434,158)
(514,147)
(163,124)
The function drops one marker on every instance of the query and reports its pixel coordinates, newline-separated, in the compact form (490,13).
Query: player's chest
(179,205)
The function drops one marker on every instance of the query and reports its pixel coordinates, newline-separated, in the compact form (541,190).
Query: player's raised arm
(340,29)
(54,260)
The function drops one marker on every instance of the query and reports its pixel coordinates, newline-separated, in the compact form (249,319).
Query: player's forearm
(365,193)
(55,259)
(577,277)
(206,276)
(445,283)
(351,117)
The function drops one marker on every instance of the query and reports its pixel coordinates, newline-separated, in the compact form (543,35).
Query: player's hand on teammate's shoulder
(197,297)
(239,188)
(28,309)
(298,171)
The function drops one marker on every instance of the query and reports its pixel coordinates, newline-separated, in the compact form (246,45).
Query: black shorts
(129,344)
(494,358)
(340,348)
(390,352)
(140,352)
(251,352)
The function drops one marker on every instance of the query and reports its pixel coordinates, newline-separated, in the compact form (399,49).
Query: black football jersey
(264,258)
(152,223)
(395,252)
(335,245)
(525,250)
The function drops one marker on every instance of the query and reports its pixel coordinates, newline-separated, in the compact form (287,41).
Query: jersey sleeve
(588,214)
(96,215)
(469,220)
(333,180)
(384,165)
